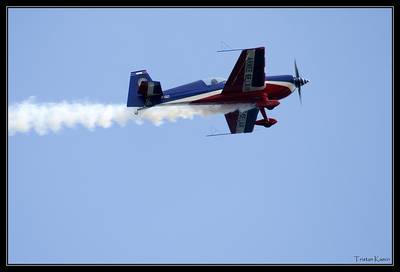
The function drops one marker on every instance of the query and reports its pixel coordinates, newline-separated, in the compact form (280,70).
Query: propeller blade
(298,84)
(301,103)
(295,69)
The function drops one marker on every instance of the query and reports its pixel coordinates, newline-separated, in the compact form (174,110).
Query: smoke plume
(52,117)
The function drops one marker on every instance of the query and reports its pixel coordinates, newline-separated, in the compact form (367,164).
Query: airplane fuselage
(199,92)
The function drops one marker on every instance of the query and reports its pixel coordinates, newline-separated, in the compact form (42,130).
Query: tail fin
(134,98)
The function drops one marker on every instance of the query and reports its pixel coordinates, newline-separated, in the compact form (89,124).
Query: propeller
(297,76)
(299,81)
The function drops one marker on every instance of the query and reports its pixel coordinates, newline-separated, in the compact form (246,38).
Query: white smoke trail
(45,117)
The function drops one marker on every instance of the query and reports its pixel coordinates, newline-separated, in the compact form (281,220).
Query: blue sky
(314,188)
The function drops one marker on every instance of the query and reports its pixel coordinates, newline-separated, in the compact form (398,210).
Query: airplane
(246,84)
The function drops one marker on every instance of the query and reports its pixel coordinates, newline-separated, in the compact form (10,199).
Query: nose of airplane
(298,80)
(301,81)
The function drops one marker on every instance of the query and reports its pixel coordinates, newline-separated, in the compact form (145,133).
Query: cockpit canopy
(213,81)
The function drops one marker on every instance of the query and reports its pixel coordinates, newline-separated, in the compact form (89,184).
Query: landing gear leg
(266,122)
(263,113)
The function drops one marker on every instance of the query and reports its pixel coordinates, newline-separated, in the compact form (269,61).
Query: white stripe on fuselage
(289,85)
(194,97)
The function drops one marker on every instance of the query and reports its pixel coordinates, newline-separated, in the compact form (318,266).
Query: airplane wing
(241,122)
(248,74)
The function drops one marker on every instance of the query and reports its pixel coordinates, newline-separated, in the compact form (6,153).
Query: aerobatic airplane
(247,84)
